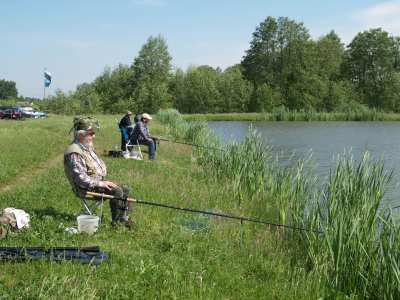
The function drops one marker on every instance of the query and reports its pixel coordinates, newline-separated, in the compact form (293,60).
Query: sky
(76,39)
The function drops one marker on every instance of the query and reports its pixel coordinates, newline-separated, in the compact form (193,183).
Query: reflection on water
(326,140)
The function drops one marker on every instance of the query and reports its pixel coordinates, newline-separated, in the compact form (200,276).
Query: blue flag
(47,78)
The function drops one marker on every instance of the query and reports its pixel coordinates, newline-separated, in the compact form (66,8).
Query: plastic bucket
(88,224)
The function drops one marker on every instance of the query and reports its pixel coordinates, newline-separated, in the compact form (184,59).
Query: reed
(357,254)
(358,245)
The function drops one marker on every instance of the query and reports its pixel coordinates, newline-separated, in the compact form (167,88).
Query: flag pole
(44,86)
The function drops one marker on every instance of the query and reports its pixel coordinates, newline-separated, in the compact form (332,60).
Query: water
(326,140)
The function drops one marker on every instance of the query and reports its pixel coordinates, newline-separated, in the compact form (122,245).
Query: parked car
(40,114)
(12,113)
(1,114)
(30,112)
(27,112)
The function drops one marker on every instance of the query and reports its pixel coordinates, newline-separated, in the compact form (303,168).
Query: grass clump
(352,254)
(352,248)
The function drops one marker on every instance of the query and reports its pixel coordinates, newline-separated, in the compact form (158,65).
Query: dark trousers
(124,138)
(152,147)
(119,208)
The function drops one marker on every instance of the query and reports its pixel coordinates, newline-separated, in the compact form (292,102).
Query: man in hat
(125,125)
(86,171)
(141,135)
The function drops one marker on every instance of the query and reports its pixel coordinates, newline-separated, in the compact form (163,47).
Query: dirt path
(30,174)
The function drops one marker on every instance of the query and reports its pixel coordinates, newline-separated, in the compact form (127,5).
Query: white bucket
(87,223)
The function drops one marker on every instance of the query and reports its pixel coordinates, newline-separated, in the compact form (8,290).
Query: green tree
(201,94)
(151,70)
(370,63)
(264,98)
(177,89)
(281,55)
(88,99)
(235,90)
(8,89)
(114,89)
(329,56)
(261,58)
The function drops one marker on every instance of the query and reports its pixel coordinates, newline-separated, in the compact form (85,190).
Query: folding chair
(134,151)
(91,206)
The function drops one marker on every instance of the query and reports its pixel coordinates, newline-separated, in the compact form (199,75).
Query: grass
(353,247)
(285,115)
(356,257)
(161,258)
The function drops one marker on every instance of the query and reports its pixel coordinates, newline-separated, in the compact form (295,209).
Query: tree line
(283,68)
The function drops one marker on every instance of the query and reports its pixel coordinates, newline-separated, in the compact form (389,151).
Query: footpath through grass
(161,258)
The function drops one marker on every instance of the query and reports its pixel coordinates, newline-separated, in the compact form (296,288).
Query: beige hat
(128,112)
(147,116)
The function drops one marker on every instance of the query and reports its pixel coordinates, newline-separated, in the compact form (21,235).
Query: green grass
(161,258)
(353,248)
(356,257)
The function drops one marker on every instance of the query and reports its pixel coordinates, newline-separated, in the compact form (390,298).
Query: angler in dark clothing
(125,125)
(141,135)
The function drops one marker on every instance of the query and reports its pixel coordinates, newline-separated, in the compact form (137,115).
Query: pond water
(326,140)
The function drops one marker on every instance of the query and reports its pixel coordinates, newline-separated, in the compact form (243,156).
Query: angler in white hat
(141,135)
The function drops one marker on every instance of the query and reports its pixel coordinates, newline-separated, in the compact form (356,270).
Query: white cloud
(385,15)
(158,3)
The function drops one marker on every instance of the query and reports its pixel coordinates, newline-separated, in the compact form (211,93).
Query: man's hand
(107,184)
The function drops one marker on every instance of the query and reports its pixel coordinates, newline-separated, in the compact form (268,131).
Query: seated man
(125,125)
(141,135)
(86,171)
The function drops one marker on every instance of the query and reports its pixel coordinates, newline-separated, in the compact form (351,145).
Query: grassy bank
(163,257)
(356,256)
(368,115)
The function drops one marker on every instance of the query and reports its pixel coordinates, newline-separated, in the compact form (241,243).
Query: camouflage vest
(91,170)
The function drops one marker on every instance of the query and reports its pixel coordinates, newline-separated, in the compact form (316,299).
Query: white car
(30,112)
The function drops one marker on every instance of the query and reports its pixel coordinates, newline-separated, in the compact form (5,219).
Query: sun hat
(128,112)
(146,116)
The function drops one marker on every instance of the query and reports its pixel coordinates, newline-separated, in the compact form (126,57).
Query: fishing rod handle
(107,196)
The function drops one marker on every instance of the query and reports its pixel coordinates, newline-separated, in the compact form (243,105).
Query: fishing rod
(92,195)
(189,144)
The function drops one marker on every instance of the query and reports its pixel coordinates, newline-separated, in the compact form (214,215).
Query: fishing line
(92,195)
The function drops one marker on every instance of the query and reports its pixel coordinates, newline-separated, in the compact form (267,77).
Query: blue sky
(75,40)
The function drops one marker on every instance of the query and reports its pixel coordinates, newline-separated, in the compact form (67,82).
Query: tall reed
(357,254)
(354,253)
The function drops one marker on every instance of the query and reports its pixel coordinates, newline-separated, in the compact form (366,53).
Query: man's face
(146,120)
(87,138)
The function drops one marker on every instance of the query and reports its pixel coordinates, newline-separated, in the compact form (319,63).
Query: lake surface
(326,140)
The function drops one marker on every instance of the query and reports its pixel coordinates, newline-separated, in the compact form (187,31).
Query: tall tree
(329,56)
(235,90)
(200,91)
(280,56)
(8,89)
(151,74)
(370,64)
(114,88)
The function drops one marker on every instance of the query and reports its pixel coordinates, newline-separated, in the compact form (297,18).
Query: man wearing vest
(86,171)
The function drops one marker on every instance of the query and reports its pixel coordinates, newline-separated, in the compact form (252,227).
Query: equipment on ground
(85,255)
